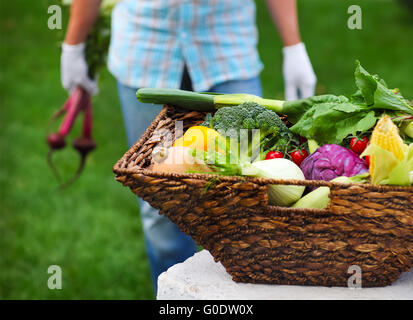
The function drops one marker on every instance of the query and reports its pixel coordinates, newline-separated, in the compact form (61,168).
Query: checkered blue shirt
(152,39)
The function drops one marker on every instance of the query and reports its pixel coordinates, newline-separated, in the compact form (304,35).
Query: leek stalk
(203,101)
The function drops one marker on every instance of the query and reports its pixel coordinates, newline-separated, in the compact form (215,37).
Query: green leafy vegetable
(329,119)
(376,93)
(330,123)
(295,109)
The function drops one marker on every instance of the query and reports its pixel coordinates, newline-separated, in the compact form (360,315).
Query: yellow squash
(197,137)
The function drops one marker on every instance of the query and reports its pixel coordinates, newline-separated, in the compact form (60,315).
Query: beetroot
(56,141)
(84,145)
(79,101)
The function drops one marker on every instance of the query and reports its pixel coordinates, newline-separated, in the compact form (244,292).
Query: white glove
(298,72)
(74,69)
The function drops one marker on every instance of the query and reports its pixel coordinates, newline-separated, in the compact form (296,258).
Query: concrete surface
(200,278)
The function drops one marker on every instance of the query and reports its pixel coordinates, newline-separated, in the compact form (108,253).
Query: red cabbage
(331,161)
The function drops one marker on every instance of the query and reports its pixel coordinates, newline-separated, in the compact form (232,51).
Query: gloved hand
(74,69)
(298,72)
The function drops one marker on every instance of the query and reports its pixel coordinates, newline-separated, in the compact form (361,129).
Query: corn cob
(386,135)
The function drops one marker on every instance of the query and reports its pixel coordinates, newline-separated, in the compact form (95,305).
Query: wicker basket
(364,225)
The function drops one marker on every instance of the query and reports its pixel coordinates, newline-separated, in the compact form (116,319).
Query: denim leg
(165,244)
(250,86)
(137,116)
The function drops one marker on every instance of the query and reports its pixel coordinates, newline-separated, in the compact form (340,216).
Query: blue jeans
(165,244)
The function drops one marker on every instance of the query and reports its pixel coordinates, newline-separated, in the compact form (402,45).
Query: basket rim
(119,170)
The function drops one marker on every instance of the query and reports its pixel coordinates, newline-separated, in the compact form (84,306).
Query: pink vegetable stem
(78,101)
(87,120)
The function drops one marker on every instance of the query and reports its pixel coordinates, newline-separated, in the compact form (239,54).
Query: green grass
(383,46)
(92,230)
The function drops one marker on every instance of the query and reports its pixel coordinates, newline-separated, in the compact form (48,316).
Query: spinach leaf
(330,118)
(366,84)
(376,93)
(295,109)
(331,123)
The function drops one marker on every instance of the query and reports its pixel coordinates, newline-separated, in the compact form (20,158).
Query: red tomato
(358,145)
(298,156)
(367,158)
(274,155)
(302,139)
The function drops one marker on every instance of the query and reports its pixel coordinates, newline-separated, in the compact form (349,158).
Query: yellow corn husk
(386,135)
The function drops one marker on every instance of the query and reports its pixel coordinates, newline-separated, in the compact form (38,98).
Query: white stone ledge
(201,278)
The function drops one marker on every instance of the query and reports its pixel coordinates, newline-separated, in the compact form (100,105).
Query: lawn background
(92,230)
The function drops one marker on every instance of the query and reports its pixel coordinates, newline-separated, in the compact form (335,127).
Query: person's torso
(216,38)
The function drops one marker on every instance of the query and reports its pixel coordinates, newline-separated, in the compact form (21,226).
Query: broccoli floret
(249,123)
(269,122)
(274,127)
(250,115)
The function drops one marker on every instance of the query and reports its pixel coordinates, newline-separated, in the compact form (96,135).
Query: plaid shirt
(152,39)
